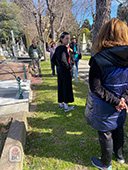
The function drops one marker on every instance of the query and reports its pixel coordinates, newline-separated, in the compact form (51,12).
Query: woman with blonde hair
(108,91)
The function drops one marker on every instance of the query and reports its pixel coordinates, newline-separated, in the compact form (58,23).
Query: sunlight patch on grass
(74,133)
(62,141)
(86,57)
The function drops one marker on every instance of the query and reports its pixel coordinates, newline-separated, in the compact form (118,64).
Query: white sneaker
(61,107)
(69,108)
(122,161)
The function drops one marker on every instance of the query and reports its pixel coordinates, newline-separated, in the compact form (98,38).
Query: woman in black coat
(62,59)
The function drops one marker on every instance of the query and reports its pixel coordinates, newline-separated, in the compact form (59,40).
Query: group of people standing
(107,100)
(73,50)
(64,56)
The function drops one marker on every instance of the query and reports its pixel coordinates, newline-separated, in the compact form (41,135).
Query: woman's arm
(125,96)
(64,61)
(96,86)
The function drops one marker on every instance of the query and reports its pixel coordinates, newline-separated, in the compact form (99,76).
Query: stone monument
(84,44)
(15,53)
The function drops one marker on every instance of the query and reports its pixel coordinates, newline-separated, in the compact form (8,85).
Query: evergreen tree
(122,12)
(9,20)
(86,24)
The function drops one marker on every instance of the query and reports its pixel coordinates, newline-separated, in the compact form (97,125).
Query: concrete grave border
(16,137)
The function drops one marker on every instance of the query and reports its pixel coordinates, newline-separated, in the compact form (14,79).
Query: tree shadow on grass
(39,87)
(50,107)
(80,89)
(77,88)
(64,136)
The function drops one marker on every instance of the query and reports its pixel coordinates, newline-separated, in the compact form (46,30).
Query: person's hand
(122,105)
(71,50)
(71,70)
(123,100)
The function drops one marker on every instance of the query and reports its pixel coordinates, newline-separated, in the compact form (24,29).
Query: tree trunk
(43,46)
(103,10)
(53,31)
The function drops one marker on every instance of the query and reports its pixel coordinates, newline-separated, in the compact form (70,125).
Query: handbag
(80,56)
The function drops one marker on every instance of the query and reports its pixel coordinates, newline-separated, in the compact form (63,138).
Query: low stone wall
(13,151)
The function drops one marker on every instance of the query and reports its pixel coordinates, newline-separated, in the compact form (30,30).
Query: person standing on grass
(62,59)
(108,91)
(35,54)
(76,52)
(51,49)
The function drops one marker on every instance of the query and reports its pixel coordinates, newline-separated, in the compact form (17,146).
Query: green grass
(4,127)
(86,57)
(58,140)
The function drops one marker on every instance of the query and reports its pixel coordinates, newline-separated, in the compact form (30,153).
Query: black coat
(60,58)
(72,44)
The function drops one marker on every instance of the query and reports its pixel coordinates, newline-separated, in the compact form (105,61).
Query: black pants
(111,141)
(65,91)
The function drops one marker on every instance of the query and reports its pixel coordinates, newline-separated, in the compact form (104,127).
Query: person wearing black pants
(111,143)
(108,91)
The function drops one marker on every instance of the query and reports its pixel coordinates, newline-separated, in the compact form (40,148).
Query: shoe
(36,75)
(61,107)
(69,108)
(122,161)
(97,163)
(40,75)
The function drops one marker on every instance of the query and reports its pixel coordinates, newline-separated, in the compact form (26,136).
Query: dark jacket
(61,58)
(31,51)
(100,109)
(72,44)
(78,51)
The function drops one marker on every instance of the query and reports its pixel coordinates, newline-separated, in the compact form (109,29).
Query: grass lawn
(86,57)
(58,140)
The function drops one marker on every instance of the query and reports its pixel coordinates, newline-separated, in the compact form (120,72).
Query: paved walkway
(83,70)
(36,80)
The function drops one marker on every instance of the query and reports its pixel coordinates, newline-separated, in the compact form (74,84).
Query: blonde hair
(112,33)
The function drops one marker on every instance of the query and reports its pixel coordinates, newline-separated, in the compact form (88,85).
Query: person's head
(65,38)
(52,43)
(112,33)
(34,42)
(74,39)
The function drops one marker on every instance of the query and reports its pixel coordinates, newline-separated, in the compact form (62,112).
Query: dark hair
(53,42)
(63,35)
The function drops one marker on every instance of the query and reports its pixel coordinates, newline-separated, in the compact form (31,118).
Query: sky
(113,10)
(114,7)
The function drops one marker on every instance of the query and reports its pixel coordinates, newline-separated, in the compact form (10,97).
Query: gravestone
(1,51)
(14,46)
(84,44)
